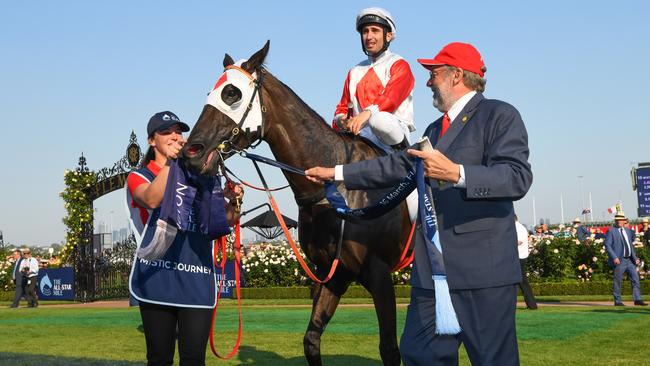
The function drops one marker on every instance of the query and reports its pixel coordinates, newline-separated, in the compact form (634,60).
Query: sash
(393,198)
(446,320)
(187,195)
(185,275)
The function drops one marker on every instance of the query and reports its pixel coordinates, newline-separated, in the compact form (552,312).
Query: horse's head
(232,118)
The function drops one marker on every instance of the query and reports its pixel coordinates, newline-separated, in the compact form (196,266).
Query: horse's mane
(329,133)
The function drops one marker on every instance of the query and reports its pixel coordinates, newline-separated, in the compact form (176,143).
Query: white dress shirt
(522,240)
(32,264)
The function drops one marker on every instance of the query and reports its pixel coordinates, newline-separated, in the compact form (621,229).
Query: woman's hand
(173,148)
(233,192)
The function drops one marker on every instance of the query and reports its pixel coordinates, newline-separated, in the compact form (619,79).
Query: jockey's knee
(387,128)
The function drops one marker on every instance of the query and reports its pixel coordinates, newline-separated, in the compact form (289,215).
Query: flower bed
(274,264)
(557,259)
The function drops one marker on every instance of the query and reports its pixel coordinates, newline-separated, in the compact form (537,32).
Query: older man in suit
(478,168)
(17,278)
(619,243)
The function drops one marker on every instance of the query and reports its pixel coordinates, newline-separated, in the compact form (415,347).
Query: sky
(77,77)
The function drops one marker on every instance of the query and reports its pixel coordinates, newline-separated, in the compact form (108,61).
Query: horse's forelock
(221,80)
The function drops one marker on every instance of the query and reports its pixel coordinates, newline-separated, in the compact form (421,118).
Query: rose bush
(267,265)
(565,258)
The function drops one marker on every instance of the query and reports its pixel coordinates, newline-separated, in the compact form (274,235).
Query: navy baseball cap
(164,120)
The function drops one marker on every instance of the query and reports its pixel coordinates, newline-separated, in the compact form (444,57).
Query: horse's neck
(298,136)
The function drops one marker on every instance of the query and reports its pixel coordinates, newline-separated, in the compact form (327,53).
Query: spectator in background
(538,234)
(622,258)
(17,277)
(54,261)
(545,230)
(645,234)
(522,247)
(29,268)
(581,232)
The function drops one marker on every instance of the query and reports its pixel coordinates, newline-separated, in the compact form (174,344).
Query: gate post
(98,277)
(84,260)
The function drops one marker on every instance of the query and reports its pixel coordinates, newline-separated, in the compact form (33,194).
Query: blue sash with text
(185,275)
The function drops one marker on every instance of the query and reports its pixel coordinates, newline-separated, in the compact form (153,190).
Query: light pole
(582,197)
(96,221)
(111,212)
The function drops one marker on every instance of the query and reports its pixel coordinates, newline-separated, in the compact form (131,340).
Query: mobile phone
(424,144)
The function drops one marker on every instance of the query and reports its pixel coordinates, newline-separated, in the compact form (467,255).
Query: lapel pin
(465,118)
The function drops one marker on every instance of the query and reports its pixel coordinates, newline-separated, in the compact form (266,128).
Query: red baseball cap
(461,55)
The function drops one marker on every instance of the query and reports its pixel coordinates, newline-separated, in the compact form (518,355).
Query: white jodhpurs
(385,129)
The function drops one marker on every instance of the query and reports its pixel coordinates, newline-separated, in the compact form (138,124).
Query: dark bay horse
(247,96)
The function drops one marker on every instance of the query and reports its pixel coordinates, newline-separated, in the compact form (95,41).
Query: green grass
(273,336)
(361,300)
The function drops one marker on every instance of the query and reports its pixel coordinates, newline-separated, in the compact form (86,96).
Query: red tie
(445,124)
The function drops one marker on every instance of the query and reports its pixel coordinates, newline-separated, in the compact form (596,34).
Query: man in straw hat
(581,232)
(622,258)
(478,166)
(29,268)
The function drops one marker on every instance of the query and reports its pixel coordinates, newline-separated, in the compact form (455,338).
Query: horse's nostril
(194,150)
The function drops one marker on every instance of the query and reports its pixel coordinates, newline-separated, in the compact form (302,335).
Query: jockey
(377,100)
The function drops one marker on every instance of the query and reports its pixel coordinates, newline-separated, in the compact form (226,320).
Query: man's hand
(638,262)
(616,261)
(319,174)
(356,123)
(437,166)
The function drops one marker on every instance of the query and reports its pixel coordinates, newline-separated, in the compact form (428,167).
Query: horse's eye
(230,94)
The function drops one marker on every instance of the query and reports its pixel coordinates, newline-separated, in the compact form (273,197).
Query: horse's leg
(326,300)
(376,279)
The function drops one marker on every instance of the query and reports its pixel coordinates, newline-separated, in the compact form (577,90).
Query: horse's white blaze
(237,110)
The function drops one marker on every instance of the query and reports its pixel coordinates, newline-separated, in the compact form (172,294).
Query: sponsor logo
(167,117)
(46,285)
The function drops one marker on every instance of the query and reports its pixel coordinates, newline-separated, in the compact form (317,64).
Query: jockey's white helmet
(376,15)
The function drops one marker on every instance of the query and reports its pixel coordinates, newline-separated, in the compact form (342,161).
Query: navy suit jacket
(614,243)
(582,233)
(476,223)
(16,275)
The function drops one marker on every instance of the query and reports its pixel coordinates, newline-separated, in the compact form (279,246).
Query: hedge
(540,288)
(585,288)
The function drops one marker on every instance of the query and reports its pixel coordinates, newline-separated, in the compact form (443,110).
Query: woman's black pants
(163,324)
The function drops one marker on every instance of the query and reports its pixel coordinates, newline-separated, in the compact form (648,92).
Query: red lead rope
(403,262)
(237,247)
(294,247)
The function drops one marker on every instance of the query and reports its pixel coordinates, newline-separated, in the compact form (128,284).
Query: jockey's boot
(401,146)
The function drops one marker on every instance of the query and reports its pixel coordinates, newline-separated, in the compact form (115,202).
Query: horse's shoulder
(361,148)
(378,150)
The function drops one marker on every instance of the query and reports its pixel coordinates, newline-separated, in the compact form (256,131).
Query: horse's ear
(255,61)
(227,60)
